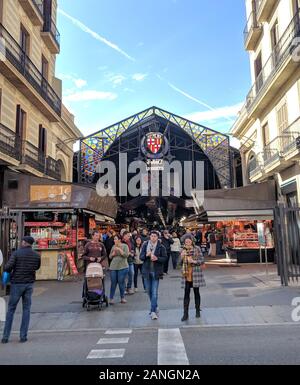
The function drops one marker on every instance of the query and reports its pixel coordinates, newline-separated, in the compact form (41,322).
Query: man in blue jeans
(22,265)
(154,255)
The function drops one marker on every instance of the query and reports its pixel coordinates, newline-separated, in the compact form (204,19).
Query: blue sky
(119,57)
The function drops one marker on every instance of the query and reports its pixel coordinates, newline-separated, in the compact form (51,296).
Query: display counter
(250,255)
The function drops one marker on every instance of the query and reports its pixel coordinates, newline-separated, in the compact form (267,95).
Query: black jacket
(22,265)
(161,253)
(167,242)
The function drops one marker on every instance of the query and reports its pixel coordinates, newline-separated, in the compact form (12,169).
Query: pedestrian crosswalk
(111,353)
(170,346)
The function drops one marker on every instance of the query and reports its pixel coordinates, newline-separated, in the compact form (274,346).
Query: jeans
(138,268)
(18,291)
(152,288)
(130,276)
(117,277)
(175,257)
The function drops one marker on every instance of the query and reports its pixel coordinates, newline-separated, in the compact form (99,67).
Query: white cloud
(80,83)
(95,35)
(90,95)
(116,80)
(139,77)
(227,112)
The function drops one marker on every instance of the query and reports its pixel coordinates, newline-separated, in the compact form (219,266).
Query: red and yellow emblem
(154,142)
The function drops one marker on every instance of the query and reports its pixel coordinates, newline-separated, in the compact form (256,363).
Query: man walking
(154,255)
(22,265)
(167,241)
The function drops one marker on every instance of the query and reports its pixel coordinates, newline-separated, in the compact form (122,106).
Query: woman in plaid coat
(192,275)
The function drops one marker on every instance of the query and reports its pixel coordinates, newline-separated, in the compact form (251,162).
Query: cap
(28,240)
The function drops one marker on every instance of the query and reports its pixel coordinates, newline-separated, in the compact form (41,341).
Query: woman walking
(192,275)
(95,251)
(175,250)
(118,268)
(138,264)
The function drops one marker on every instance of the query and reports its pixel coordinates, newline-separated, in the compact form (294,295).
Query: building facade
(269,123)
(37,132)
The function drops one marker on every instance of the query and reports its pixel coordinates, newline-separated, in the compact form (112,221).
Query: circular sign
(155,145)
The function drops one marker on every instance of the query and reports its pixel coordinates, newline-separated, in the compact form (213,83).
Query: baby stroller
(93,287)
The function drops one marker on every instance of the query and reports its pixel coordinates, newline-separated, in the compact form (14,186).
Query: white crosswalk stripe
(104,341)
(106,353)
(171,349)
(118,331)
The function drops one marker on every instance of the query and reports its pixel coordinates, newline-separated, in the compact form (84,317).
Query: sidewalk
(235,296)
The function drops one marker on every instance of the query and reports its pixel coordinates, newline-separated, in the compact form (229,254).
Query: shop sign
(50,193)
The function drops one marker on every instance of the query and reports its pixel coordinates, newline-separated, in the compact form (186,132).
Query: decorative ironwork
(52,168)
(10,144)
(215,145)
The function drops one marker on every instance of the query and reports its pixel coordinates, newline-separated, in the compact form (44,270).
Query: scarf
(151,247)
(188,252)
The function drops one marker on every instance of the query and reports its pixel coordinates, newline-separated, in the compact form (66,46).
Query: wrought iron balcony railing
(33,157)
(10,144)
(285,47)
(52,168)
(255,166)
(251,25)
(39,5)
(50,26)
(273,151)
(291,134)
(17,57)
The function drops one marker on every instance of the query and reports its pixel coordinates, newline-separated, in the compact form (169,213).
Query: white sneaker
(136,289)
(154,316)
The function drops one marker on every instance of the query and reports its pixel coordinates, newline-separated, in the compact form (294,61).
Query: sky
(119,57)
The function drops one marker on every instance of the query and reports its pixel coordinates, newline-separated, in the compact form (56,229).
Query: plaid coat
(198,276)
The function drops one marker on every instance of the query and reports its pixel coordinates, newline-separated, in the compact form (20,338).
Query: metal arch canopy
(214,144)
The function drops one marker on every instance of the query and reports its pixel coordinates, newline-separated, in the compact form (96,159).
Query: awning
(253,202)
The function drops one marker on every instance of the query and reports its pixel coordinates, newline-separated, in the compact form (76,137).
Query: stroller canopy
(94,270)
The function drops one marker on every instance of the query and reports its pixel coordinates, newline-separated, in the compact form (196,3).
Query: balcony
(51,36)
(34,10)
(10,146)
(291,143)
(273,154)
(52,168)
(255,168)
(264,9)
(252,32)
(282,64)
(32,157)
(17,67)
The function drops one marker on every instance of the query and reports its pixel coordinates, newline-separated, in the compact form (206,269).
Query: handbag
(5,278)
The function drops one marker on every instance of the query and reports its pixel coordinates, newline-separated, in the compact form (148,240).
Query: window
(265,134)
(296,6)
(282,118)
(47,15)
(274,43)
(45,68)
(0,103)
(42,140)
(258,72)
(20,123)
(24,40)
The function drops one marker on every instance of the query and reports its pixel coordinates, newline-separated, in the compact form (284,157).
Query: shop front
(60,217)
(242,219)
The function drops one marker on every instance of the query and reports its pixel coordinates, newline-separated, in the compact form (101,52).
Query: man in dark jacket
(22,265)
(167,241)
(154,255)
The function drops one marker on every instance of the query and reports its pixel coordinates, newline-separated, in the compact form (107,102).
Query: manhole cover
(233,285)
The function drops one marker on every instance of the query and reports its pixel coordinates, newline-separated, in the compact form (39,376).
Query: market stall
(60,217)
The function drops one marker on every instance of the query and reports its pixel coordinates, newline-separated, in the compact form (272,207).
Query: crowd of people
(126,256)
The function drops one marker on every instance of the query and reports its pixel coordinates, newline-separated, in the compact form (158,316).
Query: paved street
(246,318)
(274,345)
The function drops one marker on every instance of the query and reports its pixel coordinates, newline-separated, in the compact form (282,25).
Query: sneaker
(123,300)
(4,341)
(154,316)
(130,291)
(111,302)
(136,290)
(22,340)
